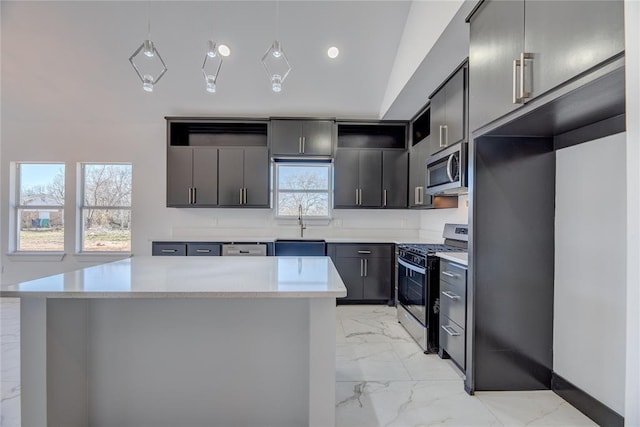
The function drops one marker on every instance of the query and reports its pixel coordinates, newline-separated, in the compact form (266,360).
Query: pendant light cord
(149,20)
(277,18)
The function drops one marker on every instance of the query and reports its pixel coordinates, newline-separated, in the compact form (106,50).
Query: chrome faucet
(300,222)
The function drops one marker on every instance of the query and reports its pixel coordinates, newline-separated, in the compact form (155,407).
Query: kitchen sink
(300,247)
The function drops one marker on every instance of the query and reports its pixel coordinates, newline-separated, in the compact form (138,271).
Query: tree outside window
(106,207)
(305,185)
(39,207)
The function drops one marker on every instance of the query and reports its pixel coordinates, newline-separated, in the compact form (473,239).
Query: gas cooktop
(430,248)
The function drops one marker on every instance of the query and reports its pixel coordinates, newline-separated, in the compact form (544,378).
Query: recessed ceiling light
(333,52)
(224,50)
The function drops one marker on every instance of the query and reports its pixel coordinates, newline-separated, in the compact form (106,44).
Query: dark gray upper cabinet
(417,170)
(301,137)
(394,178)
(244,177)
(521,49)
(567,38)
(192,176)
(448,113)
(358,179)
(197,177)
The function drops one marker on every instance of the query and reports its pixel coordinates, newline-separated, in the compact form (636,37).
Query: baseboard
(585,403)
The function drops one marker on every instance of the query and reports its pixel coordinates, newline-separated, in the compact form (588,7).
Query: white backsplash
(432,221)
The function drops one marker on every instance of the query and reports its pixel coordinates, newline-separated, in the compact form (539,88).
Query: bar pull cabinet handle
(304,140)
(203,251)
(300,145)
(516,65)
(363,252)
(194,198)
(416,195)
(190,197)
(450,295)
(449,274)
(384,197)
(523,57)
(360,196)
(444,130)
(449,330)
(366,267)
(361,267)
(245,195)
(440,136)
(241,196)
(169,251)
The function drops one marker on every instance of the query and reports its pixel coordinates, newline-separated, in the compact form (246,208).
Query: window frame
(19,207)
(277,163)
(82,207)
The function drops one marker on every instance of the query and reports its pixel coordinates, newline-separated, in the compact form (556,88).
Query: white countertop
(459,257)
(192,277)
(271,239)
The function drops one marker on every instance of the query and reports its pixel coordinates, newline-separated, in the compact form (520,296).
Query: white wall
(632,40)
(432,221)
(590,265)
(425,23)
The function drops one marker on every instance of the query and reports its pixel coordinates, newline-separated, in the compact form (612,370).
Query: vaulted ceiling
(66,60)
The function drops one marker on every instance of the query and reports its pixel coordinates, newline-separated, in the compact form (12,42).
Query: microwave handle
(449,163)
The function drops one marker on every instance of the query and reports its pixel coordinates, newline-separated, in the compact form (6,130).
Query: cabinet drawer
(203,249)
(168,249)
(454,274)
(453,302)
(452,340)
(364,251)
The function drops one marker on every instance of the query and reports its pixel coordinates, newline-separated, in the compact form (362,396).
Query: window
(105,207)
(39,207)
(303,184)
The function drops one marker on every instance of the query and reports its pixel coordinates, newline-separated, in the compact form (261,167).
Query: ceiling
(69,60)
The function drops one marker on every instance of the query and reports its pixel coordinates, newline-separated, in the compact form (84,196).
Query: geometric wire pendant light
(275,60)
(149,69)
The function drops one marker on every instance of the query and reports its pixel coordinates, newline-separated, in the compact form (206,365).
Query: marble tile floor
(383,379)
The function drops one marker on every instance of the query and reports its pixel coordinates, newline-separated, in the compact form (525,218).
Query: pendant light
(146,60)
(212,63)
(275,61)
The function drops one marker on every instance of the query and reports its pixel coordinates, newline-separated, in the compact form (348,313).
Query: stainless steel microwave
(447,171)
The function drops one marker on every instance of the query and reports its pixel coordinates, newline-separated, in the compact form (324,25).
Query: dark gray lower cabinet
(453,312)
(365,269)
(185,249)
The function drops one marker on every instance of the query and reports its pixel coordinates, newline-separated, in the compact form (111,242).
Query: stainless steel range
(419,287)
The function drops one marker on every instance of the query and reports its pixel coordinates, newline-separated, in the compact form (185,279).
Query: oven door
(412,290)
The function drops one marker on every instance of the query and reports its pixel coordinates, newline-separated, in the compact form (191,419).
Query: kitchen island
(202,341)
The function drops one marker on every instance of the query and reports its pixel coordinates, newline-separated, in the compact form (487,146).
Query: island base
(178,362)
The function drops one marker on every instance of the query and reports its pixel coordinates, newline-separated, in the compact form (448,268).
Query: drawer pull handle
(449,274)
(449,330)
(203,251)
(364,252)
(169,251)
(450,295)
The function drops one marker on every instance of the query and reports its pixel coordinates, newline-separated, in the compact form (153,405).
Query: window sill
(101,256)
(36,256)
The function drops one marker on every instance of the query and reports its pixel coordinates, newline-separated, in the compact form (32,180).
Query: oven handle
(412,267)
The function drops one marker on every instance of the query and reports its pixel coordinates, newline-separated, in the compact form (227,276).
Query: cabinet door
(317,136)
(286,137)
(417,171)
(345,178)
(179,175)
(256,177)
(496,39)
(377,279)
(394,178)
(438,121)
(205,176)
(230,176)
(350,270)
(455,131)
(370,178)
(567,38)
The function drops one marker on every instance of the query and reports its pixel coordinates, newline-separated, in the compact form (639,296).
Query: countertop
(271,239)
(459,257)
(191,277)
